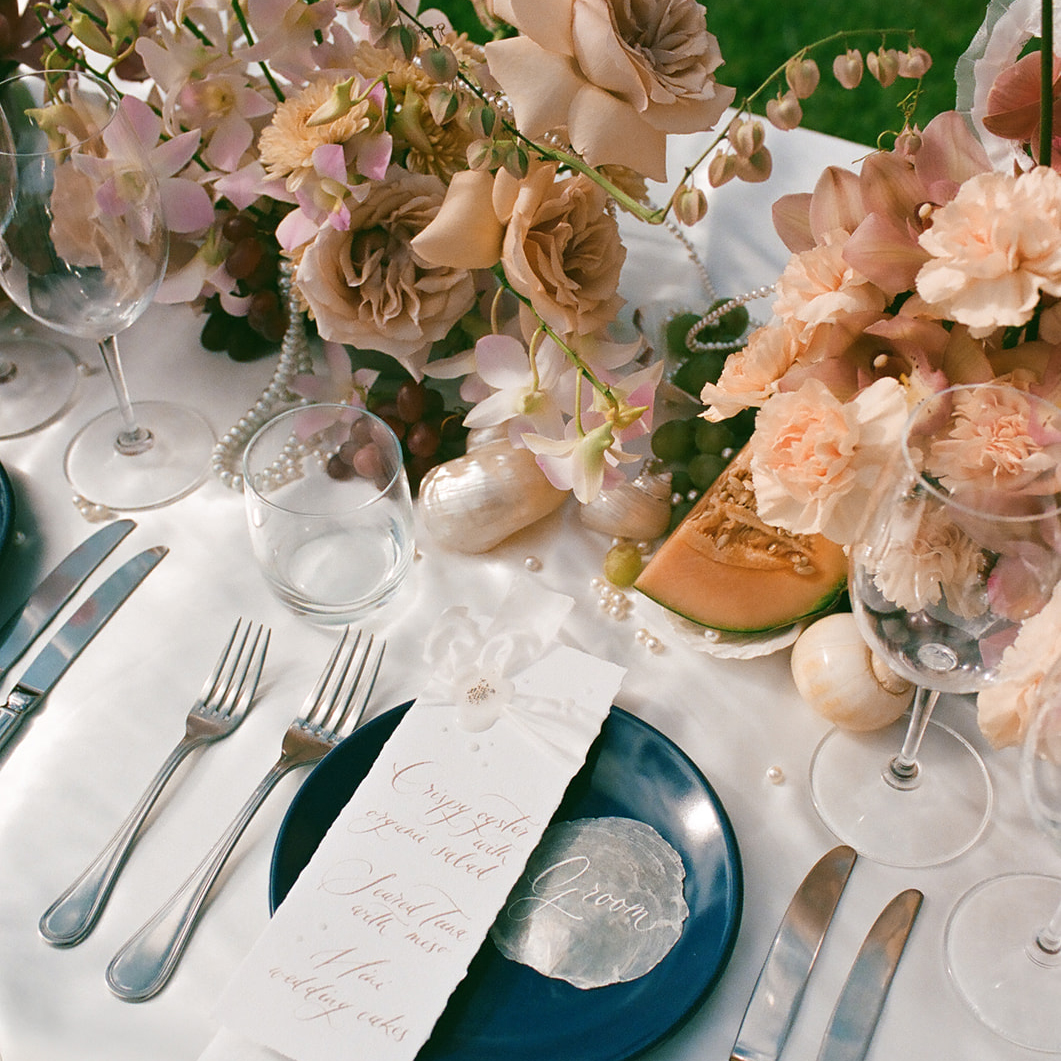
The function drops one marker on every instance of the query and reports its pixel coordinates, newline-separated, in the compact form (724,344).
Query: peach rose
(616,75)
(367,287)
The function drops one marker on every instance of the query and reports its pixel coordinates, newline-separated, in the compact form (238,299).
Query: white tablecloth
(78,766)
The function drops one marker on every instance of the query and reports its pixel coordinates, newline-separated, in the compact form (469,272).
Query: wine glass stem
(132,438)
(1048,941)
(903,770)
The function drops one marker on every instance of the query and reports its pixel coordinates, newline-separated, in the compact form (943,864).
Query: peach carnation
(995,248)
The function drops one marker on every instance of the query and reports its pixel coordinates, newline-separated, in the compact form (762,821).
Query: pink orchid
(186,205)
(584,463)
(338,385)
(520,389)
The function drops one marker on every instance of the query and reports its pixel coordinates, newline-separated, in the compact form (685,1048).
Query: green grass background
(757,36)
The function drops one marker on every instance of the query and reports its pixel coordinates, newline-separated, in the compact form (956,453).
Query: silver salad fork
(144,964)
(222,704)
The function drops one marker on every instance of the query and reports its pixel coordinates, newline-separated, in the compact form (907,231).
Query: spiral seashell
(638,509)
(838,675)
(471,503)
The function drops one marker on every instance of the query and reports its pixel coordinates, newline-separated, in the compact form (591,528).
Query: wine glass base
(923,826)
(988,942)
(176,463)
(40,387)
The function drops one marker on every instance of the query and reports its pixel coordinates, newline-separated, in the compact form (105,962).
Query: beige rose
(559,246)
(367,287)
(615,75)
(562,251)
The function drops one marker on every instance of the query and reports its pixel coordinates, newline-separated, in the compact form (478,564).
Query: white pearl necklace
(295,359)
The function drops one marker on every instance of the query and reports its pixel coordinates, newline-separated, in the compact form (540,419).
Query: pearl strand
(295,359)
(702,347)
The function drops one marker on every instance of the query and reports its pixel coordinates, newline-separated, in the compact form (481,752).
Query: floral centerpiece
(446,202)
(938,263)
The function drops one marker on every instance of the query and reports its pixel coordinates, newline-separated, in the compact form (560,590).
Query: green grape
(675,331)
(698,370)
(672,441)
(705,468)
(678,512)
(680,481)
(712,437)
(623,564)
(730,326)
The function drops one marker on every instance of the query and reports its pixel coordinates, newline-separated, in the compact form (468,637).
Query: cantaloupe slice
(724,568)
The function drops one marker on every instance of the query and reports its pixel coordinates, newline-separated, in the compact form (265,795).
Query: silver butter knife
(783,979)
(52,660)
(859,1006)
(42,605)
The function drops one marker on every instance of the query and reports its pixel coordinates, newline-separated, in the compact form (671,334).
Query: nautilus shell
(638,509)
(838,675)
(472,503)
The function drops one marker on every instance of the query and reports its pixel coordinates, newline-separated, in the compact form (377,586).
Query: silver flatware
(144,964)
(55,589)
(861,1000)
(221,706)
(779,990)
(52,661)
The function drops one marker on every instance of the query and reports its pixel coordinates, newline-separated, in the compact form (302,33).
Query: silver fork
(222,704)
(144,964)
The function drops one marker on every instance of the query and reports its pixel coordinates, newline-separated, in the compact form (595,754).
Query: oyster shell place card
(378,930)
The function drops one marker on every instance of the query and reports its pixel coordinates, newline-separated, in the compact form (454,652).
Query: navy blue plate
(7,511)
(508,1012)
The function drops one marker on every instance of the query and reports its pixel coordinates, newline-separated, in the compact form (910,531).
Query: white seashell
(638,509)
(472,503)
(838,675)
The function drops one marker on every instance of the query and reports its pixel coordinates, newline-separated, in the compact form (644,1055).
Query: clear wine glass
(959,545)
(1003,938)
(84,250)
(37,377)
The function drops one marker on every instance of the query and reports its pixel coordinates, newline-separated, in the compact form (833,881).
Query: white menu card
(361,957)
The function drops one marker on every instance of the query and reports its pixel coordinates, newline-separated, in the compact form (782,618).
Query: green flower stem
(1046,92)
(237,10)
(584,371)
(746,103)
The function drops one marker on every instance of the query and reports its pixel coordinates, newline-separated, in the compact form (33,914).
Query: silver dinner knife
(52,660)
(783,979)
(861,1000)
(42,605)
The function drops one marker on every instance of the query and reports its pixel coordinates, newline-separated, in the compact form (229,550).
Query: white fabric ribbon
(478,668)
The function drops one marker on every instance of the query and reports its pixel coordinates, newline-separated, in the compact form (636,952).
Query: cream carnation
(1005,707)
(816,459)
(367,288)
(819,287)
(750,375)
(995,247)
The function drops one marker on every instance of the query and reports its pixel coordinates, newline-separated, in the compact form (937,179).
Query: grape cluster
(696,451)
(429,432)
(696,369)
(253,261)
